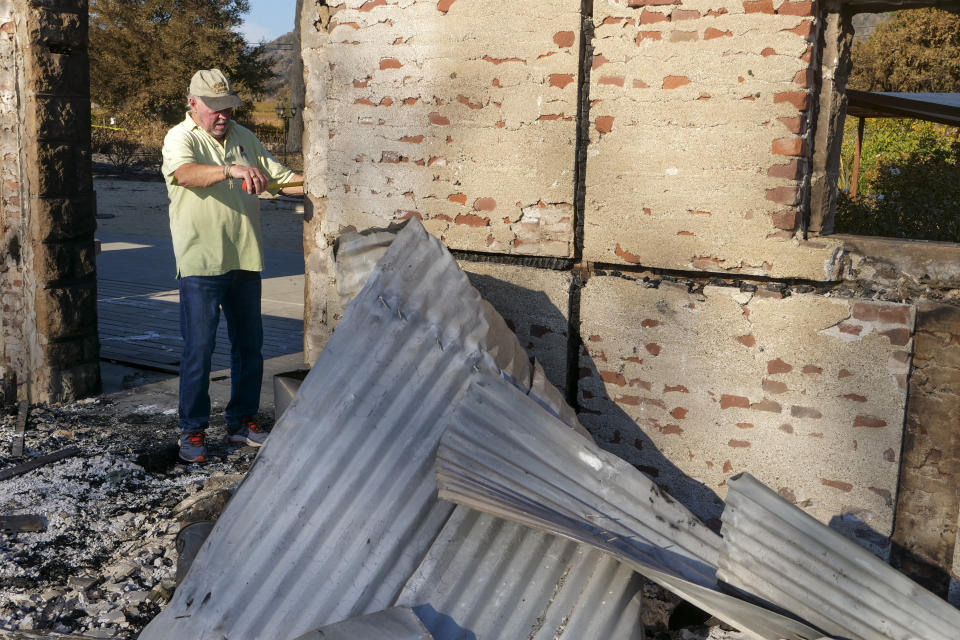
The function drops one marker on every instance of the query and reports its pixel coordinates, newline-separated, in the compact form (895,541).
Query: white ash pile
(104,559)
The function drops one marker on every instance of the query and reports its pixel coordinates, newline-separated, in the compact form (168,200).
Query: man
(214,170)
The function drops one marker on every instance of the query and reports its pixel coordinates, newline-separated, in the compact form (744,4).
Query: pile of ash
(103,561)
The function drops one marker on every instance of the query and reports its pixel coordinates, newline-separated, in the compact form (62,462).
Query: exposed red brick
(837,484)
(611,20)
(727,467)
(773,386)
(796,9)
(614,80)
(804,29)
(364,101)
(595,339)
(636,401)
(649,35)
(555,116)
(739,444)
(672,82)
(871,422)
(744,425)
(805,412)
(652,17)
(410,101)
(899,337)
(412,139)
(683,36)
(804,78)
(785,219)
(653,348)
(599,61)
(811,369)
(716,13)
(564,39)
(441,216)
(786,428)
(679,387)
(390,157)
(389,63)
(613,378)
(758,6)
(747,340)
(769,51)
(766,405)
(484,204)
(604,124)
(808,54)
(640,84)
(370,4)
(361,84)
(671,430)
(406,215)
(778,366)
(790,171)
(633,359)
(502,60)
(626,255)
(560,79)
(436,118)
(679,413)
(444,5)
(700,213)
(712,33)
(855,397)
(647,3)
(792,146)
(386,102)
(466,101)
(782,195)
(799,99)
(684,14)
(459,198)
(471,220)
(850,329)
(844,373)
(637,382)
(728,401)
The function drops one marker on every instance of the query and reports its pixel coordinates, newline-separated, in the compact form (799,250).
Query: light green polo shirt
(216,229)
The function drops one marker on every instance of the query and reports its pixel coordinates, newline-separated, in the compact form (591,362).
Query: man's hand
(255,181)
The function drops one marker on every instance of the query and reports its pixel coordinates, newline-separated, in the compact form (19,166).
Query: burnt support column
(50,326)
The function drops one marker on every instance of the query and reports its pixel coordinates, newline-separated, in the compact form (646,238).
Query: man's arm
(196,175)
(294,191)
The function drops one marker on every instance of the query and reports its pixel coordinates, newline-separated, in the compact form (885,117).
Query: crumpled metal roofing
(481,572)
(773,548)
(398,623)
(340,507)
(503,454)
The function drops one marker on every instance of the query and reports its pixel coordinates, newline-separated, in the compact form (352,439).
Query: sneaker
(249,434)
(192,449)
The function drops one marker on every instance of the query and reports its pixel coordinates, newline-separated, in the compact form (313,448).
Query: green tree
(144,52)
(916,50)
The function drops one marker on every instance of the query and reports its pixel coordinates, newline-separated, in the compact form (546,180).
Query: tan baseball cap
(211,86)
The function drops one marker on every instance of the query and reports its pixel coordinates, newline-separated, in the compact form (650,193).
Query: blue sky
(268,19)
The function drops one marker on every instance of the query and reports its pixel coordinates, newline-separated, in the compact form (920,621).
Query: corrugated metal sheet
(503,454)
(340,507)
(774,549)
(482,576)
(399,623)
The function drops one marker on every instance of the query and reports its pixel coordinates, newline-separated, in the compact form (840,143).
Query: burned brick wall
(49,281)
(634,178)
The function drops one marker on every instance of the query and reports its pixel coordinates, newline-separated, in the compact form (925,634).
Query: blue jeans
(201,299)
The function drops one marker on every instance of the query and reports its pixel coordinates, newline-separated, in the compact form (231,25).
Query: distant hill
(281,53)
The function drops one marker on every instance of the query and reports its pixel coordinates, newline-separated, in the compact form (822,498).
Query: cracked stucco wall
(700,137)
(697,327)
(806,392)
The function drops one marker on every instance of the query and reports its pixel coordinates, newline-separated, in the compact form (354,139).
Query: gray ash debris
(104,561)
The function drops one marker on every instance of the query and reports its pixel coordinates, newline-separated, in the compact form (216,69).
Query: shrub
(909,183)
